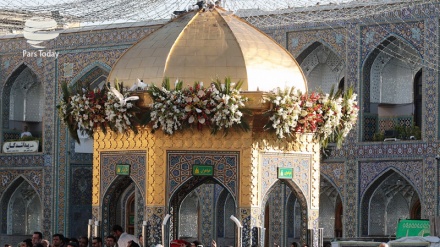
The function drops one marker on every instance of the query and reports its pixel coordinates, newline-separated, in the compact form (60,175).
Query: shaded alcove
(391,89)
(284,213)
(200,210)
(123,204)
(389,197)
(21,208)
(330,209)
(23,103)
(322,67)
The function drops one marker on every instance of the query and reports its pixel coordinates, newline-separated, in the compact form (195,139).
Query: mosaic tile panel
(80,194)
(301,164)
(154,214)
(430,81)
(335,172)
(298,41)
(373,35)
(180,167)
(136,160)
(370,171)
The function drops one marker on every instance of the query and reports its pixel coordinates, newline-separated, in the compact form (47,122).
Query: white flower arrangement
(286,111)
(166,112)
(118,114)
(329,116)
(218,106)
(98,108)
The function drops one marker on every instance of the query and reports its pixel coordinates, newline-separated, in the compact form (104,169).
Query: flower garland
(329,116)
(217,107)
(88,110)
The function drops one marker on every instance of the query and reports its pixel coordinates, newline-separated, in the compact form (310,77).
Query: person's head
(72,244)
(117,230)
(383,245)
(26,128)
(110,241)
(83,241)
(45,243)
(22,244)
(8,245)
(37,236)
(141,239)
(28,242)
(96,242)
(57,239)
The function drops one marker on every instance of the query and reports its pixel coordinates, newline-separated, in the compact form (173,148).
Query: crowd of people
(118,238)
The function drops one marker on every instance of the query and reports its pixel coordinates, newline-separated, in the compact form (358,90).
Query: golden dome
(203,46)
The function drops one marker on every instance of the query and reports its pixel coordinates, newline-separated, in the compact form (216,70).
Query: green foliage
(407,132)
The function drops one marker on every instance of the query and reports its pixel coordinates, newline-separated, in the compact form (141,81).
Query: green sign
(406,228)
(203,170)
(285,173)
(122,169)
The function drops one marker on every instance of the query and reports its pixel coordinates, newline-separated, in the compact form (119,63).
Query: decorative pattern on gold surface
(156,145)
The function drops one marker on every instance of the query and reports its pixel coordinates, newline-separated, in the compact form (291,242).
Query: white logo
(39,29)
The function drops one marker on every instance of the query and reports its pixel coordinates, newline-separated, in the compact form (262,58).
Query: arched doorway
(391,91)
(284,213)
(21,207)
(389,198)
(123,205)
(200,210)
(330,210)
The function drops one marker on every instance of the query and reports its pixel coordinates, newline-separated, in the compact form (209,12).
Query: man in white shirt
(24,134)
(122,236)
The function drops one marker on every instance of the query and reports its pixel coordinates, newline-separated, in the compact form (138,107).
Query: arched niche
(200,210)
(23,102)
(391,89)
(284,205)
(21,208)
(322,67)
(93,76)
(390,197)
(115,201)
(330,211)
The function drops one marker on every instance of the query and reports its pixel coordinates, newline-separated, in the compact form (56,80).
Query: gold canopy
(203,46)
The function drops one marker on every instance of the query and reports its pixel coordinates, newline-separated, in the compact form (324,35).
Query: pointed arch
(21,208)
(200,185)
(388,198)
(387,89)
(322,66)
(92,76)
(113,202)
(23,99)
(225,207)
(328,206)
(279,189)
